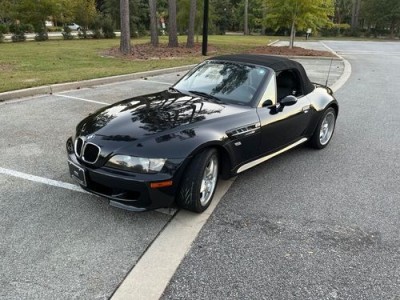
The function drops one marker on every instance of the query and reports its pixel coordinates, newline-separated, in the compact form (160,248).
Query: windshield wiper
(208,96)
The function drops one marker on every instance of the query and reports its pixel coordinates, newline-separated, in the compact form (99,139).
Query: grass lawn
(31,64)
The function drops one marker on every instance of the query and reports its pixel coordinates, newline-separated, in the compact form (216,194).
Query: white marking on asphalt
(152,273)
(346,72)
(369,53)
(158,82)
(81,99)
(43,180)
(13,101)
(64,185)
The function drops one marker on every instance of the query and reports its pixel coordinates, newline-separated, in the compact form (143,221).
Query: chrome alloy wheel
(327,127)
(209,181)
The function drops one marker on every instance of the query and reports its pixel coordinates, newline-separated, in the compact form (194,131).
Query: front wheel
(199,181)
(324,131)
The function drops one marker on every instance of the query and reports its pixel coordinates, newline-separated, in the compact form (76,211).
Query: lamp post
(205,28)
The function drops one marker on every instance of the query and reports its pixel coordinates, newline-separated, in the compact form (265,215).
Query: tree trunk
(246,17)
(192,19)
(153,23)
(392,27)
(264,15)
(172,32)
(357,17)
(125,44)
(354,17)
(46,34)
(292,35)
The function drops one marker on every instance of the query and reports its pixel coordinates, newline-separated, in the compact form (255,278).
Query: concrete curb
(152,273)
(307,57)
(274,42)
(56,88)
(346,72)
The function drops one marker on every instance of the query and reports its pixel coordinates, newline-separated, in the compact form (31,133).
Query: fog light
(70,146)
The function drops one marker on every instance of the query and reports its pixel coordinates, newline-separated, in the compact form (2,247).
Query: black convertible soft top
(274,62)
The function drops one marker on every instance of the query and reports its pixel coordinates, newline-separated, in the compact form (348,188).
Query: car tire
(199,181)
(324,131)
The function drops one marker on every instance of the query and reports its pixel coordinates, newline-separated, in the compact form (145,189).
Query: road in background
(314,224)
(53,35)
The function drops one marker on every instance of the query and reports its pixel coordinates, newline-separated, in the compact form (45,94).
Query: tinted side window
(288,83)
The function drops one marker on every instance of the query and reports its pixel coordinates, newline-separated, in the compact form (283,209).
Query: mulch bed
(295,51)
(148,52)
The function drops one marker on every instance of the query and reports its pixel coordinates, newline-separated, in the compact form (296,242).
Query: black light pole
(205,28)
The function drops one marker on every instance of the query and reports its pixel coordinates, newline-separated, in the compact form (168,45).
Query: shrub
(67,35)
(18,32)
(108,28)
(97,34)
(29,28)
(138,30)
(55,29)
(96,27)
(41,33)
(83,34)
(334,29)
(4,29)
(355,33)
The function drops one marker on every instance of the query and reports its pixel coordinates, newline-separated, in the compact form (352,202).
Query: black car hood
(152,116)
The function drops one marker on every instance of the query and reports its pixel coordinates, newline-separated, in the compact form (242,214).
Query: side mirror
(288,101)
(267,103)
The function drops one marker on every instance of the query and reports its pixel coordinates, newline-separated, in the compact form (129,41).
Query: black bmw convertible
(225,116)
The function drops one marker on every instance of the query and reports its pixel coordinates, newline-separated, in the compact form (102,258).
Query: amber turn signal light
(155,185)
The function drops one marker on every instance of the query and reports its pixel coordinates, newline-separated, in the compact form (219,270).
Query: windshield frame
(257,95)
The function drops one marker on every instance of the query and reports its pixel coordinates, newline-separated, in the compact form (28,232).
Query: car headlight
(136,164)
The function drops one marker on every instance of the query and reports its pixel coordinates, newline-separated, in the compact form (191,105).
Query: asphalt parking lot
(314,224)
(56,239)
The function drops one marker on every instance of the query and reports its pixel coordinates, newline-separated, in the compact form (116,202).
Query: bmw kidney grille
(89,152)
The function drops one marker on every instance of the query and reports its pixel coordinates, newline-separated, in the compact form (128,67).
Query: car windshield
(225,81)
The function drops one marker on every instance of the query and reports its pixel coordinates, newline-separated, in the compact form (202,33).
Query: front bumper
(129,191)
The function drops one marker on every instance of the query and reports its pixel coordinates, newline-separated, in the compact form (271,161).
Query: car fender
(320,99)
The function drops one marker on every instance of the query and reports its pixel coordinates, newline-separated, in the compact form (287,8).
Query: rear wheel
(199,181)
(324,131)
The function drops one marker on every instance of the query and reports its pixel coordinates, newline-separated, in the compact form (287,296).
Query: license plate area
(77,173)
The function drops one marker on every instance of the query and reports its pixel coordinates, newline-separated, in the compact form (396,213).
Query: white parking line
(158,82)
(13,101)
(81,99)
(64,185)
(369,53)
(43,180)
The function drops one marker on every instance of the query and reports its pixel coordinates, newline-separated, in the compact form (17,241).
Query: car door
(281,125)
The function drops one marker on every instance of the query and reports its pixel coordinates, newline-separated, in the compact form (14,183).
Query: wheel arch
(335,106)
(224,157)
